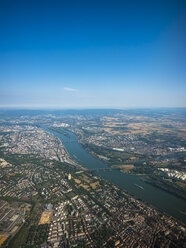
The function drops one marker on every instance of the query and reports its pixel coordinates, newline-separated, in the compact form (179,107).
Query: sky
(92,54)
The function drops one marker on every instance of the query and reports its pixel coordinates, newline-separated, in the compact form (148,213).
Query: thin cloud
(70,89)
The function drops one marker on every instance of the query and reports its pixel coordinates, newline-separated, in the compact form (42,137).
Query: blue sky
(92,54)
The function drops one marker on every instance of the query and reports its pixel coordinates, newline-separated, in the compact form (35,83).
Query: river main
(133,184)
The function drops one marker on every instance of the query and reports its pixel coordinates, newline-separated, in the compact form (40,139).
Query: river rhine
(161,199)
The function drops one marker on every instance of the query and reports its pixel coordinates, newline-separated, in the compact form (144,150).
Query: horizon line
(84,108)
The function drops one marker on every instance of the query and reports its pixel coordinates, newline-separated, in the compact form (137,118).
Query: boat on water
(182,212)
(139,186)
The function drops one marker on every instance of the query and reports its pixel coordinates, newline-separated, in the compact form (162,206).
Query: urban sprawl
(47,199)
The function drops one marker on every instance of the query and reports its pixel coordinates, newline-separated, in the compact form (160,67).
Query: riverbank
(162,185)
(132,169)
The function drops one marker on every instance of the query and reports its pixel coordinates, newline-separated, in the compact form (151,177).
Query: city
(56,202)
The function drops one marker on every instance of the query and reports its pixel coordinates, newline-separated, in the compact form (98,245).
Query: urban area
(47,199)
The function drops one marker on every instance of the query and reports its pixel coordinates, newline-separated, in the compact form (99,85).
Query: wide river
(161,199)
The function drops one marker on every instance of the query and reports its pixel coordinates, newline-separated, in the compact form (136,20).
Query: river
(133,184)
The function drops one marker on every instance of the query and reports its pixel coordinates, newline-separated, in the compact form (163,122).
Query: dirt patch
(45,217)
(86,179)
(94,185)
(3,238)
(77,181)
(85,186)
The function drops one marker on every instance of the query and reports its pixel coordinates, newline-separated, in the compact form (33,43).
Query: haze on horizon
(92,54)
